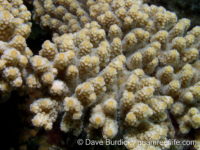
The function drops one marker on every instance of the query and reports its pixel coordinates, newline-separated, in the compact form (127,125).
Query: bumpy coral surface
(14,53)
(128,64)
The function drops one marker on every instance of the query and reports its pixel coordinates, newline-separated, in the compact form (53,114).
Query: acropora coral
(118,67)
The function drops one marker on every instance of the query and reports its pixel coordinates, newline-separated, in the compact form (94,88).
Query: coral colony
(128,64)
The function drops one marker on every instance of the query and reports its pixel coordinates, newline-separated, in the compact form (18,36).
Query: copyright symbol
(80,142)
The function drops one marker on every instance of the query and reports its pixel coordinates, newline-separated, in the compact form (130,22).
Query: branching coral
(128,64)
(14,53)
(134,59)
